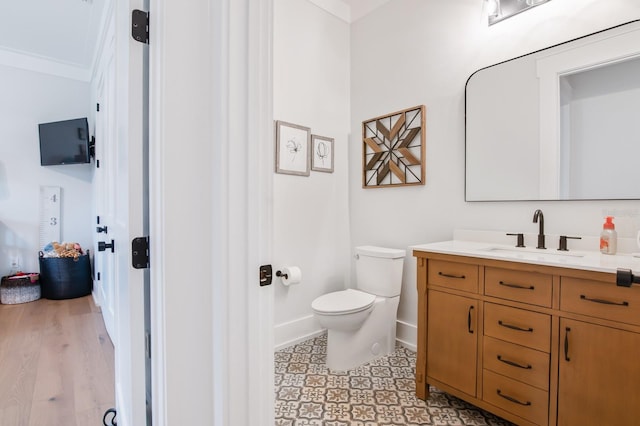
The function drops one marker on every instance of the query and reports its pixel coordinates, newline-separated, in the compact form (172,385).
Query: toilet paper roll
(293,273)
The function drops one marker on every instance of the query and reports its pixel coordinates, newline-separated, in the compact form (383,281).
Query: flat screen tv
(64,142)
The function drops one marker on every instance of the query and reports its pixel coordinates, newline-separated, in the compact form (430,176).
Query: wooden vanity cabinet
(521,340)
(450,312)
(453,328)
(536,345)
(599,377)
(599,381)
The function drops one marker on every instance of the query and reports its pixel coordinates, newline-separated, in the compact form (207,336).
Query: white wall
(311,218)
(412,52)
(29,98)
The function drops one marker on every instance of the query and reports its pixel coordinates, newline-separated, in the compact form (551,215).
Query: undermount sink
(528,251)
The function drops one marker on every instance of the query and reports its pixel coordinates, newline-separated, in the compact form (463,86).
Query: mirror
(560,123)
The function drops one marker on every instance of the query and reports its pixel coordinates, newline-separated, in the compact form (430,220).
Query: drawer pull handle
(515,327)
(522,287)
(603,301)
(460,277)
(512,399)
(566,344)
(469,320)
(513,363)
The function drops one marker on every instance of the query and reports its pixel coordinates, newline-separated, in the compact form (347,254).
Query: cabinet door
(452,338)
(599,381)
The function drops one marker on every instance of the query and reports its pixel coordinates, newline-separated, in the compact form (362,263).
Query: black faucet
(538,217)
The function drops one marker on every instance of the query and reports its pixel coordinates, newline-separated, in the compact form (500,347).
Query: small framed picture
(322,154)
(292,149)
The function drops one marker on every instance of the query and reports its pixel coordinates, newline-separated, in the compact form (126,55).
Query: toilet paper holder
(289,275)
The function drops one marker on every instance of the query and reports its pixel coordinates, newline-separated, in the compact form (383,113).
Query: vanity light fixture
(497,10)
(493,8)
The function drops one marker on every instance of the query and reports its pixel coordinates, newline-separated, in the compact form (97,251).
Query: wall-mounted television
(64,142)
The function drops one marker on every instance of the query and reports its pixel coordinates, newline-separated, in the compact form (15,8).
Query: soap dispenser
(608,237)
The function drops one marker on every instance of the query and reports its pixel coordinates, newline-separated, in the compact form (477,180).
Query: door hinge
(140,26)
(140,252)
(266,275)
(97,107)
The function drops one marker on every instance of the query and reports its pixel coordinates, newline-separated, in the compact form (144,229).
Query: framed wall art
(321,154)
(292,149)
(393,149)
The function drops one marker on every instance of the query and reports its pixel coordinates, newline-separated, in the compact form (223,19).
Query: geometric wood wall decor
(393,149)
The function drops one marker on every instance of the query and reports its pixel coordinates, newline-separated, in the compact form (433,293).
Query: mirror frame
(513,59)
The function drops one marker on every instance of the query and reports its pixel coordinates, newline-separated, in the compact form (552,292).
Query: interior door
(104,184)
(130,217)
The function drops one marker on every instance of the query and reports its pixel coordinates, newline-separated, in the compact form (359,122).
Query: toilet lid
(343,302)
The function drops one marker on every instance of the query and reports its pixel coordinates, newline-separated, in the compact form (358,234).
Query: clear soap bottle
(608,237)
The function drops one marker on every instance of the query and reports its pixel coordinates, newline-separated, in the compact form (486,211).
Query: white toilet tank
(379,270)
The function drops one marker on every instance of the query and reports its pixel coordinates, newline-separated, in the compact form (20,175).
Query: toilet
(361,322)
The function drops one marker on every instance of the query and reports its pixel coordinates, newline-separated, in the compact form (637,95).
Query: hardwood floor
(56,364)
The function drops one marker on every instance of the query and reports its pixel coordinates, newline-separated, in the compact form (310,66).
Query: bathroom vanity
(536,337)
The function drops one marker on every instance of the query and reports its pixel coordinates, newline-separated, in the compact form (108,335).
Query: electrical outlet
(14,264)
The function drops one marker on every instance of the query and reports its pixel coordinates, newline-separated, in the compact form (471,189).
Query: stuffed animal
(56,249)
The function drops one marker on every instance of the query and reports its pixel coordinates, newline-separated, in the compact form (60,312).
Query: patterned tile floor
(378,393)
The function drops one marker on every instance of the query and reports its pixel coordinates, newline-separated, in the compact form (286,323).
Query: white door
(212,157)
(129,220)
(104,184)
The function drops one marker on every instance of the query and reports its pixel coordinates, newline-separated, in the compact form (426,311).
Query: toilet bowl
(344,310)
(361,322)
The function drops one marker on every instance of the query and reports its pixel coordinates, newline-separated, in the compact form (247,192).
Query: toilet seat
(343,302)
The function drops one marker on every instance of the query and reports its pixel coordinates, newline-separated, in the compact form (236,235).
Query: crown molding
(30,62)
(361,8)
(337,8)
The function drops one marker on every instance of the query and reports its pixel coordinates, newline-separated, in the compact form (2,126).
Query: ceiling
(360,8)
(66,31)
(63,31)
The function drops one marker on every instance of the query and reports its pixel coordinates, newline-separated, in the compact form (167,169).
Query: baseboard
(407,335)
(291,332)
(96,299)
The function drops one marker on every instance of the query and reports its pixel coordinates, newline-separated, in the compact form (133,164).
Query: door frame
(129,190)
(219,53)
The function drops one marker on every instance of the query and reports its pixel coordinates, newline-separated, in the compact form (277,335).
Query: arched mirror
(562,123)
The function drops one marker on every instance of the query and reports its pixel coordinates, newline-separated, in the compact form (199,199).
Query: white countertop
(590,260)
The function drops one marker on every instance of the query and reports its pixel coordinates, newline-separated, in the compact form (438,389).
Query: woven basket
(65,277)
(22,289)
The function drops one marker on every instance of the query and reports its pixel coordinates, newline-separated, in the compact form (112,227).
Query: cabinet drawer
(600,299)
(526,328)
(459,276)
(522,400)
(520,286)
(518,362)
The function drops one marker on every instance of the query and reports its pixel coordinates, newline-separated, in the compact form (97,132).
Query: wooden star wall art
(393,149)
